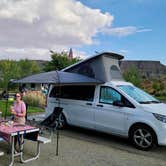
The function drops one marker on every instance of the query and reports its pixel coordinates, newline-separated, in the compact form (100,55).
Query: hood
(158,108)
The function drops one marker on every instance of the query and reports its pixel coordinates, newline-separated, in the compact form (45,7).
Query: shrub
(133,75)
(35,99)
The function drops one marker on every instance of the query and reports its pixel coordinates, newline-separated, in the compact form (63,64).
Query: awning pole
(59,91)
(7,100)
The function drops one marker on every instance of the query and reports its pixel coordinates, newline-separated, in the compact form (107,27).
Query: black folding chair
(52,122)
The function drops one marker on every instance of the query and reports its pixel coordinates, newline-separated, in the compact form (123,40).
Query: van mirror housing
(118,103)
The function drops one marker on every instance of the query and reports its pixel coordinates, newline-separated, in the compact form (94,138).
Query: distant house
(30,86)
(149,69)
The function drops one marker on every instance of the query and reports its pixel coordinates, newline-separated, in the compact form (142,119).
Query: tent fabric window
(74,92)
(115,72)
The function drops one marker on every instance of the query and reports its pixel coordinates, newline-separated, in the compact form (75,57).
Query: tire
(62,121)
(143,137)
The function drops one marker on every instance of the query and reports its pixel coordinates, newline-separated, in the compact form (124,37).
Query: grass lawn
(163,98)
(30,108)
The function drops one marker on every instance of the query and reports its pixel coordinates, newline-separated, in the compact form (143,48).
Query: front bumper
(161,133)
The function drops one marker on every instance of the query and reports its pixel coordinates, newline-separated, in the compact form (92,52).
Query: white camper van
(115,107)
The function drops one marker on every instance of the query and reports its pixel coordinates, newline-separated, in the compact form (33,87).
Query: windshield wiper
(155,101)
(149,102)
(145,102)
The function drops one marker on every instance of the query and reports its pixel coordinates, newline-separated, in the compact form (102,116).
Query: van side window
(109,95)
(74,92)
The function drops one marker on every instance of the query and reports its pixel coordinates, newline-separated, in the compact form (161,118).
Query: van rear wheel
(143,137)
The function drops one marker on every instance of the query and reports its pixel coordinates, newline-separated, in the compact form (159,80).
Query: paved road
(80,147)
(111,141)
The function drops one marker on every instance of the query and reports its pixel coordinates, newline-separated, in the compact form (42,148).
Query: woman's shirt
(19,107)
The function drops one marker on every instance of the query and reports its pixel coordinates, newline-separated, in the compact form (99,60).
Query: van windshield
(138,94)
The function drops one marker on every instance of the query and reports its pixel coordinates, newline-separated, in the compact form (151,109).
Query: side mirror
(118,103)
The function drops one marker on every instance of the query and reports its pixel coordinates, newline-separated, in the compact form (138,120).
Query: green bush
(35,99)
(133,75)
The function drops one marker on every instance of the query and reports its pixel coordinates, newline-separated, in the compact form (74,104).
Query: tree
(28,67)
(132,75)
(10,69)
(59,61)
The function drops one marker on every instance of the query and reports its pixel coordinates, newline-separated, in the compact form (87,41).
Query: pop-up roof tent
(96,69)
(103,66)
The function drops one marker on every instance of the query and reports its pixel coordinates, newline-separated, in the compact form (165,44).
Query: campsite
(82,83)
(85,74)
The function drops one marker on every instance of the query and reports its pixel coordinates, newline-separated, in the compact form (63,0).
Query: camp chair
(52,123)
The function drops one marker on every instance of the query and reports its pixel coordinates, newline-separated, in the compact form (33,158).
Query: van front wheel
(143,137)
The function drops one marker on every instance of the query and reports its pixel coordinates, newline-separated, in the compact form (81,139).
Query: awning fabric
(58,77)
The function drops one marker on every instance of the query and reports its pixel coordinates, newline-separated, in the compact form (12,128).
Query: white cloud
(36,53)
(29,28)
(24,53)
(124,31)
(124,51)
(144,30)
(41,24)
(80,54)
(19,9)
(163,60)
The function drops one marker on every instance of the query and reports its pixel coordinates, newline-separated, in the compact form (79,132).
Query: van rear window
(74,92)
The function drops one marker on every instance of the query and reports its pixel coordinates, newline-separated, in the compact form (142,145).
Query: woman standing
(18,110)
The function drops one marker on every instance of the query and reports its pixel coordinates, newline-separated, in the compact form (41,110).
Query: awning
(59,77)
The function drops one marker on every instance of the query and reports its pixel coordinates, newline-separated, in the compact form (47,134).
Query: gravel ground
(79,147)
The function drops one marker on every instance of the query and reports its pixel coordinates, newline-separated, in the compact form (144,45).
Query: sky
(134,28)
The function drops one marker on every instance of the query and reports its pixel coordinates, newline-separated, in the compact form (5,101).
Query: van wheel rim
(143,138)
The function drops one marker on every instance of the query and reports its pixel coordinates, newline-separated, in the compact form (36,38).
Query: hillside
(41,63)
(148,69)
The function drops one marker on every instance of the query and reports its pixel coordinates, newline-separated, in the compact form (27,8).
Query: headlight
(159,117)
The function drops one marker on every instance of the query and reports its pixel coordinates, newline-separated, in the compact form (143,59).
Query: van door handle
(99,105)
(88,103)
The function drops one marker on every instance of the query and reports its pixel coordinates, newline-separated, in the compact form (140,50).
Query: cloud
(24,53)
(29,28)
(80,54)
(41,24)
(36,53)
(140,1)
(124,31)
(21,10)
(124,51)
(163,60)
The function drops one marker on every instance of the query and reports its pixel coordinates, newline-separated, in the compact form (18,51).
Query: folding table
(10,132)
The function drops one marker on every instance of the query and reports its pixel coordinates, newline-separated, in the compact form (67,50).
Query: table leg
(33,158)
(12,151)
